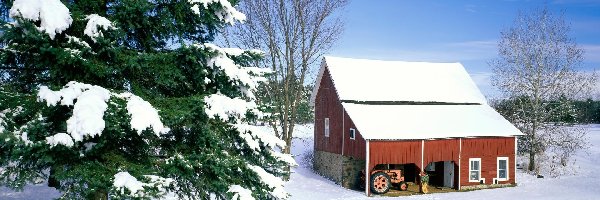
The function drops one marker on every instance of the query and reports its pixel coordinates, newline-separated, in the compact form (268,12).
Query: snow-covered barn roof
(376,80)
(401,122)
(397,100)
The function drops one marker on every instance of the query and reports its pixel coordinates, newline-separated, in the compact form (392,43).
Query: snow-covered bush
(129,99)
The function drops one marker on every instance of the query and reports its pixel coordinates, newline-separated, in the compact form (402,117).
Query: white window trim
(498,169)
(326,122)
(352,134)
(479,178)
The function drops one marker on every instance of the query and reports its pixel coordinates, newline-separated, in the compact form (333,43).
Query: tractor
(383,177)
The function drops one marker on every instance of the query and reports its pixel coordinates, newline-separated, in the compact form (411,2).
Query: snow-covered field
(304,184)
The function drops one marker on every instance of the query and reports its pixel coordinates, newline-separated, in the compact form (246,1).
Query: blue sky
(464,31)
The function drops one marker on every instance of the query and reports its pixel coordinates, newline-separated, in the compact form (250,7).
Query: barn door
(448,174)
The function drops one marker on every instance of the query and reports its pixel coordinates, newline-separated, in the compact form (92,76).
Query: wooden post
(367,171)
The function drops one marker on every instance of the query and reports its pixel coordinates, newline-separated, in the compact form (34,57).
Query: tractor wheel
(380,183)
(402,186)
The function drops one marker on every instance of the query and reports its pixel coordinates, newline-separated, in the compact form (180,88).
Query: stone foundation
(352,171)
(343,170)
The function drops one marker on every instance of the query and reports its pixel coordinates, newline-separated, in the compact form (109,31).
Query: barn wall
(342,167)
(327,104)
(353,148)
(409,151)
(394,152)
(488,149)
(441,150)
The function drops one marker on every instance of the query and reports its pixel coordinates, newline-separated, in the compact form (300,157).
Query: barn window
(502,168)
(326,127)
(474,169)
(352,134)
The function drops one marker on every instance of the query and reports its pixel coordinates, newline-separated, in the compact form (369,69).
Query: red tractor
(383,179)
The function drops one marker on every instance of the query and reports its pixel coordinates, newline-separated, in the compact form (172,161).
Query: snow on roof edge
(313,95)
(489,123)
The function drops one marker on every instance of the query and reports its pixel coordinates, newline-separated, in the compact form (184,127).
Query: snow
(160,183)
(94,22)
(233,51)
(89,145)
(76,40)
(2,116)
(125,180)
(428,121)
(60,138)
(74,52)
(249,77)
(375,80)
(227,13)
(272,181)
(224,107)
(30,192)
(143,115)
(54,16)
(88,111)
(264,133)
(241,193)
(51,97)
(284,157)
(69,93)
(23,136)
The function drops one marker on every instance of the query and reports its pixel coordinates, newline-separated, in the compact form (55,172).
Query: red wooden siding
(394,152)
(327,105)
(488,149)
(353,148)
(441,150)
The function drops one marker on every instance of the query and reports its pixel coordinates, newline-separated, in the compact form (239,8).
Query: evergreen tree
(128,99)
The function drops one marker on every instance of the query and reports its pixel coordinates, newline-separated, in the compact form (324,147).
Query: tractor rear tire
(402,186)
(380,183)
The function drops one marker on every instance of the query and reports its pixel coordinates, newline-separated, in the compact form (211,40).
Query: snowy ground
(305,184)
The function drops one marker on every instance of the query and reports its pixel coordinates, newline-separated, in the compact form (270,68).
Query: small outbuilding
(413,116)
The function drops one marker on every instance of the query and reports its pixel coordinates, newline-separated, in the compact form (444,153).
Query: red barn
(415,116)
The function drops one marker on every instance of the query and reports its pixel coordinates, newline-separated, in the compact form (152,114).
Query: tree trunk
(531,161)
(287,150)
(533,149)
(52,182)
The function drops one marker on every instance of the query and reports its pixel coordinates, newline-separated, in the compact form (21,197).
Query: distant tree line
(570,112)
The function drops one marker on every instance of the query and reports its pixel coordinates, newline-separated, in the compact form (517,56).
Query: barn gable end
(337,156)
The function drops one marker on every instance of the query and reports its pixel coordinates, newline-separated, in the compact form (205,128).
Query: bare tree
(537,69)
(294,35)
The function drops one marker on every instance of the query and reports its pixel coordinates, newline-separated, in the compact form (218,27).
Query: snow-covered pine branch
(89,140)
(91,104)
